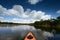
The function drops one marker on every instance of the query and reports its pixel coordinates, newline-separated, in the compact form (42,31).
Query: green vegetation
(48,25)
(9,23)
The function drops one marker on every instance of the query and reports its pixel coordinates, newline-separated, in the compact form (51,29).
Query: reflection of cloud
(24,16)
(58,11)
(18,28)
(34,1)
(48,34)
(24,27)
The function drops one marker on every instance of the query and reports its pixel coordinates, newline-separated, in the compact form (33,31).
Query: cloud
(58,11)
(1,17)
(23,16)
(34,1)
(2,10)
(38,15)
(16,20)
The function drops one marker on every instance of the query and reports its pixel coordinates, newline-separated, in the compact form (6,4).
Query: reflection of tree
(48,24)
(58,17)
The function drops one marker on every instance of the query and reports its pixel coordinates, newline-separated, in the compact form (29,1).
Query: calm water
(15,31)
(56,37)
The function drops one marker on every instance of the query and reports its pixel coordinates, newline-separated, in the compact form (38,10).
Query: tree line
(48,25)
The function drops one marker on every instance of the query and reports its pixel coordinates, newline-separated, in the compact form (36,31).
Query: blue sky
(28,10)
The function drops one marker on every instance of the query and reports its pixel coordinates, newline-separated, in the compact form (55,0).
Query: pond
(10,32)
(56,37)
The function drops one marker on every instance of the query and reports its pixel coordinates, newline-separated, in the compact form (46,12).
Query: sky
(28,11)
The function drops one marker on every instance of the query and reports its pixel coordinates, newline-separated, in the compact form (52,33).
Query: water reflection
(18,32)
(15,32)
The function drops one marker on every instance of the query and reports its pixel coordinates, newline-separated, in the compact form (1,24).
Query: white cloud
(34,1)
(17,10)
(16,20)
(24,16)
(2,10)
(58,11)
(1,18)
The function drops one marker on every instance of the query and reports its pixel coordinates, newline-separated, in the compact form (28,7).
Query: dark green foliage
(9,23)
(48,25)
